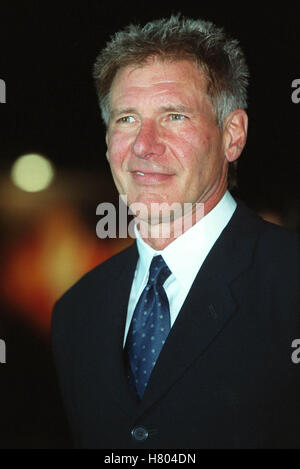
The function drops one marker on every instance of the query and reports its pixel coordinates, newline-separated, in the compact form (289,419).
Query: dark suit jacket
(225,377)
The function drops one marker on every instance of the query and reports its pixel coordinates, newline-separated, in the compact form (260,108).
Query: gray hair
(176,38)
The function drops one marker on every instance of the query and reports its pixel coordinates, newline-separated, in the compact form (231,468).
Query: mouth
(150,178)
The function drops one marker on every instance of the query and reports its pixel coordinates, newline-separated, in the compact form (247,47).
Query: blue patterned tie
(149,327)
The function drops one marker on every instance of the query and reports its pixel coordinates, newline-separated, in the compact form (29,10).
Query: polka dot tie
(149,327)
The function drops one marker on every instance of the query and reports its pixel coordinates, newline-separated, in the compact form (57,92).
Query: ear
(235,134)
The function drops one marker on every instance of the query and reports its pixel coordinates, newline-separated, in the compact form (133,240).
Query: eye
(177,117)
(126,120)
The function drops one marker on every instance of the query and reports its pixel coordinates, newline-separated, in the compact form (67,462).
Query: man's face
(163,141)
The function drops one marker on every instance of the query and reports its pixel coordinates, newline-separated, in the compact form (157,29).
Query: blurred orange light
(38,269)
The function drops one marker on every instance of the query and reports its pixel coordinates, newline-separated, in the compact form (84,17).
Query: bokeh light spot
(32,172)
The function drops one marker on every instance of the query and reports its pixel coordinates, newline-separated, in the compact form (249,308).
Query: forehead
(158,79)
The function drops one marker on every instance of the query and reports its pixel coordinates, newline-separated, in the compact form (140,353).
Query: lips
(150,177)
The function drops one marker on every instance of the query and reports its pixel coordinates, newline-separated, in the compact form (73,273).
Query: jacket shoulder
(91,285)
(272,238)
(100,274)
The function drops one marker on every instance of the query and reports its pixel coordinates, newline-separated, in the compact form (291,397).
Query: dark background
(47,51)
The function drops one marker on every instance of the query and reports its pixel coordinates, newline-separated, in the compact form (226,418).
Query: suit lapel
(106,330)
(118,303)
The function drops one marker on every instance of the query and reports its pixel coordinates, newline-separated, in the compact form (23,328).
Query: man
(182,341)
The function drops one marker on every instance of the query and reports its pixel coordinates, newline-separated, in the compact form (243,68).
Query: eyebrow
(118,111)
(180,108)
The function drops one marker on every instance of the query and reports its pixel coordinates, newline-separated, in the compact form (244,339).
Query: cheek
(198,154)
(118,146)
(197,136)
(184,146)
(191,148)
(203,142)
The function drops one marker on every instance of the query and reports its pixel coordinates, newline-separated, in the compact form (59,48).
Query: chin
(156,211)
(147,200)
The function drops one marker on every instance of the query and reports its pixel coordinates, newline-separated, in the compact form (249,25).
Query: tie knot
(159,271)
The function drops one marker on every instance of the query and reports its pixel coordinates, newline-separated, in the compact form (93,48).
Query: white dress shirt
(184,257)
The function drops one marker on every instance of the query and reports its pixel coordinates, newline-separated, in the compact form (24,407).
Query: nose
(148,143)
